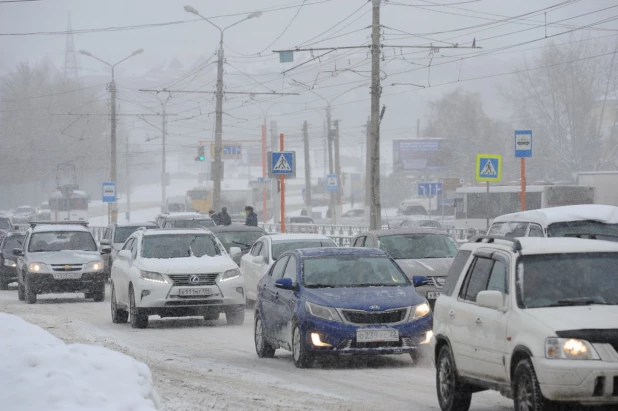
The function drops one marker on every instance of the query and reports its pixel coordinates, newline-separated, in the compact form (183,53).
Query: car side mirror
(18,252)
(106,250)
(105,241)
(235,252)
(490,299)
(258,259)
(285,284)
(124,255)
(420,280)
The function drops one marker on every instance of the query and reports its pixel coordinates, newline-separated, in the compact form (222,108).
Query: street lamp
(112,90)
(219,106)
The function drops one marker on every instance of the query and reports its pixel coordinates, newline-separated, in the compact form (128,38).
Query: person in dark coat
(215,217)
(252,219)
(224,217)
(303,212)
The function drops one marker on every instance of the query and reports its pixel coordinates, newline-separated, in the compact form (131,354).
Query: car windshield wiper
(319,286)
(578,301)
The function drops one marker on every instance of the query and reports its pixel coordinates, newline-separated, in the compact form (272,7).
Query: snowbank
(41,372)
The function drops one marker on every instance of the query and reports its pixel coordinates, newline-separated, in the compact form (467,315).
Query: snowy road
(209,365)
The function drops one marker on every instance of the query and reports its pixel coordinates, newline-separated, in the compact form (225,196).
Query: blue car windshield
(351,271)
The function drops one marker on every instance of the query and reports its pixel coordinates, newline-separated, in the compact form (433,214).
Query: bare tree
(568,104)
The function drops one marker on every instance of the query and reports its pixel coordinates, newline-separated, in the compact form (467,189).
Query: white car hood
(577,318)
(65,257)
(188,265)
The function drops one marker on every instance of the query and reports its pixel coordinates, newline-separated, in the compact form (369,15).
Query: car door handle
(479,321)
(451,313)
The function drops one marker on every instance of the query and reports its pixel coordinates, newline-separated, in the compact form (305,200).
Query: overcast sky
(195,40)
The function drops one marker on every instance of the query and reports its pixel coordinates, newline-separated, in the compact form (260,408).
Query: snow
(593,212)
(141,216)
(41,372)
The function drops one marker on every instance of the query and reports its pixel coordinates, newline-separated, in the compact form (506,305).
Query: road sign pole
(264,203)
(282,179)
(488,204)
(523,184)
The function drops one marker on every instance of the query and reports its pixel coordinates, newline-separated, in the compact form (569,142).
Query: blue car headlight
(323,312)
(419,311)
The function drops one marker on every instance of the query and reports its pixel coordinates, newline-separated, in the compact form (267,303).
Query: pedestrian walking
(214,216)
(252,219)
(224,217)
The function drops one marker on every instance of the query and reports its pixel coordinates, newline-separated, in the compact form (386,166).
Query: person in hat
(252,219)
(214,216)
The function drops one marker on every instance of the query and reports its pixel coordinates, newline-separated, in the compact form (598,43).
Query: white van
(586,221)
(178,204)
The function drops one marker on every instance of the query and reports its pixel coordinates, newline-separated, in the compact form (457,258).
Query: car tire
(98,294)
(30,294)
(302,356)
(527,393)
(452,395)
(119,316)
(235,317)
(21,292)
(262,347)
(138,318)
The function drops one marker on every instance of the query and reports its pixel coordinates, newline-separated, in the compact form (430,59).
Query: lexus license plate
(68,276)
(433,295)
(195,292)
(377,335)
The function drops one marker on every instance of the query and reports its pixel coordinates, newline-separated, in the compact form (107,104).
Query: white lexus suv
(533,318)
(176,273)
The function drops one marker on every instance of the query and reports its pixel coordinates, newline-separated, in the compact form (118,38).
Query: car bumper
(46,283)
(152,295)
(341,337)
(586,382)
(8,274)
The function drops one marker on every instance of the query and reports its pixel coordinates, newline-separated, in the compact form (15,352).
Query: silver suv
(60,258)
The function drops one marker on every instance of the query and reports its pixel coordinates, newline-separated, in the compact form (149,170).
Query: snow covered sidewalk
(41,372)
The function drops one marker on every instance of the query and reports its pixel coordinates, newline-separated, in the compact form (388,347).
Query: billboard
(429,154)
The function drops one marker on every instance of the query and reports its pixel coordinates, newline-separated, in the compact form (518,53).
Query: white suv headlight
(230,274)
(38,268)
(569,349)
(154,277)
(94,266)
(419,311)
(320,311)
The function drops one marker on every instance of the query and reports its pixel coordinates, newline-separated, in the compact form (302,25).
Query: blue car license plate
(377,335)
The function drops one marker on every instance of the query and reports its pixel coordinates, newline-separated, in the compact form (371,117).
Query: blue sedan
(333,301)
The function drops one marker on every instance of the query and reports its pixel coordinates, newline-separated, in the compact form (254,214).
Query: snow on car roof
(176,231)
(297,237)
(140,224)
(47,228)
(593,212)
(559,245)
(186,215)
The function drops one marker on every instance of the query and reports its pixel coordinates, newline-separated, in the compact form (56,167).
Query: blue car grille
(352,344)
(382,317)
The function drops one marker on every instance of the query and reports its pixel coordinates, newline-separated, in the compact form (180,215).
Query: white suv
(176,273)
(533,318)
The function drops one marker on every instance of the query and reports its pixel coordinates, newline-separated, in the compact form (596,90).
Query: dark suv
(8,263)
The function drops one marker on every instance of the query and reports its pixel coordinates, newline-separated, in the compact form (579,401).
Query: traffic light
(200,154)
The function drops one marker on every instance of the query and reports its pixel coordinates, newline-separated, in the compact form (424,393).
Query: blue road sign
(488,167)
(429,189)
(523,143)
(282,163)
(109,192)
(332,183)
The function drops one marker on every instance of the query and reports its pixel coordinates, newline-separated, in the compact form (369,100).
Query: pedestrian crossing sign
(489,167)
(282,163)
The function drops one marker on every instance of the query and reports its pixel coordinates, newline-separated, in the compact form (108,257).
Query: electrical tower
(71,71)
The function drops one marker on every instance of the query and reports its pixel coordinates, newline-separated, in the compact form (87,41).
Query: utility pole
(163,162)
(216,193)
(307,170)
(276,198)
(330,163)
(338,193)
(128,178)
(113,206)
(375,221)
(368,172)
